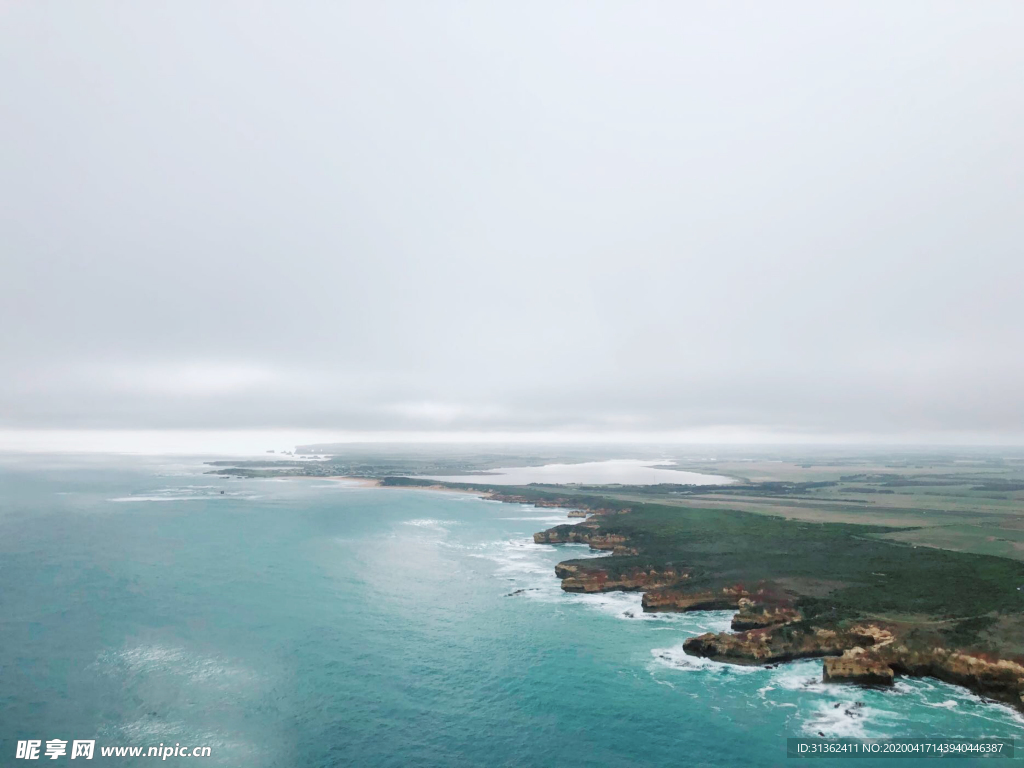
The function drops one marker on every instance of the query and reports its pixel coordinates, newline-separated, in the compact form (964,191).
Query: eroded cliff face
(866,654)
(776,644)
(580,534)
(679,598)
(1000,679)
(755,609)
(561,502)
(857,665)
(586,578)
(595,576)
(753,614)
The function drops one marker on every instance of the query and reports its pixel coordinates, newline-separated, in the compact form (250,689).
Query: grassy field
(987,540)
(963,503)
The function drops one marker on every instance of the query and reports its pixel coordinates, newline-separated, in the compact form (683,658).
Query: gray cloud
(591,217)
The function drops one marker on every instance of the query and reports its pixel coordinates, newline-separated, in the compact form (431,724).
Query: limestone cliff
(557,502)
(867,654)
(1000,679)
(765,646)
(580,534)
(679,598)
(753,614)
(577,577)
(857,665)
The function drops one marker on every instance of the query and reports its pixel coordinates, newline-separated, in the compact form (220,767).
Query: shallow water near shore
(316,623)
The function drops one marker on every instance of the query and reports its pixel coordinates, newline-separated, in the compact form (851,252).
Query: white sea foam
(431,523)
(528,565)
(849,711)
(142,497)
(838,722)
(619,605)
(121,499)
(185,493)
(940,695)
(676,658)
(800,676)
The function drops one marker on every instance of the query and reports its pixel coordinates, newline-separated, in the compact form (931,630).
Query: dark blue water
(309,623)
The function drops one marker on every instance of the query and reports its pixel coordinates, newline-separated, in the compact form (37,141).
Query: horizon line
(261,441)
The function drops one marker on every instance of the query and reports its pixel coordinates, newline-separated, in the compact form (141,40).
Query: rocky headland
(784,617)
(577,578)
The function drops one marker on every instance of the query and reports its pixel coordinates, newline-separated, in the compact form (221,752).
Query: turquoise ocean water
(310,623)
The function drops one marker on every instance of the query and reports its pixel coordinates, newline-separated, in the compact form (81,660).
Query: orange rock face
(764,646)
(577,578)
(755,615)
(858,666)
(679,598)
(580,534)
(1000,679)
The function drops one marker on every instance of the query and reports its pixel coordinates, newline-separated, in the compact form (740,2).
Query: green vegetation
(962,502)
(838,569)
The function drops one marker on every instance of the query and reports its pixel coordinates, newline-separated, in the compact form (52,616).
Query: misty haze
(577,384)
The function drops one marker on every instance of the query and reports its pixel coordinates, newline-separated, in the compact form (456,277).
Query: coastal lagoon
(613,471)
(318,623)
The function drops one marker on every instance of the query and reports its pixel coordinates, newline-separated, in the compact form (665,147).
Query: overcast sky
(785,218)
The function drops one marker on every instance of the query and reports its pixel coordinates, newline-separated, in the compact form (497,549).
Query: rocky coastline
(769,627)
